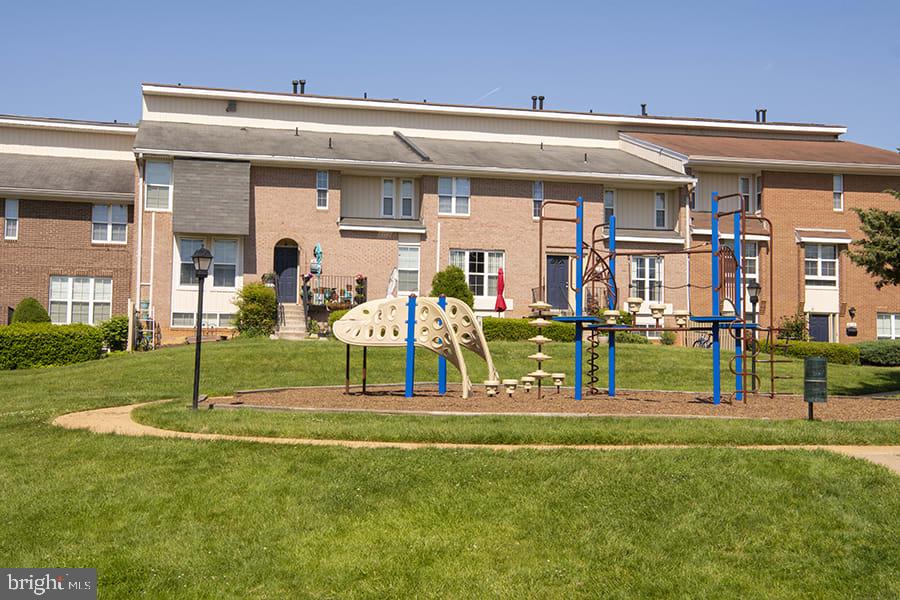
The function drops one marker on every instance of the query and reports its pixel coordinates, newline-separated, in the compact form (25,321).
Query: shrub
(334,316)
(885,353)
(115,332)
(841,354)
(25,345)
(628,337)
(515,330)
(257,310)
(451,282)
(793,328)
(30,310)
(668,338)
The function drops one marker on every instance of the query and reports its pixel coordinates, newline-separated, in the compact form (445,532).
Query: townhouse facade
(103,213)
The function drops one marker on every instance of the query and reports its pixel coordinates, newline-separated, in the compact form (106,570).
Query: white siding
(48,142)
(636,208)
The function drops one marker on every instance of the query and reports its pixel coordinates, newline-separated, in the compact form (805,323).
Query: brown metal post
(364,369)
(347,371)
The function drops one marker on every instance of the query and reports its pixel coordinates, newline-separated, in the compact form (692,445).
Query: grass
(169,518)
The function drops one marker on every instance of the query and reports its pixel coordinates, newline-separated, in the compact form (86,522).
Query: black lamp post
(753,292)
(202,260)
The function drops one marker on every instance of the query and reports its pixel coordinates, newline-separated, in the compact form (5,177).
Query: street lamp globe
(753,290)
(202,260)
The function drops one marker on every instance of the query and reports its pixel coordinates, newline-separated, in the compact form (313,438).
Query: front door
(818,328)
(286,259)
(558,281)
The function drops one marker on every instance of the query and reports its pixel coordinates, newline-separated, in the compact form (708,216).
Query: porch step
(294,326)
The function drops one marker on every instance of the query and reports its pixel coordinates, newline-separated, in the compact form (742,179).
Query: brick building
(382,186)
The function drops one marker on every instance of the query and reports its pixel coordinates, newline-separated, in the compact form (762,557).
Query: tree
(30,310)
(879,251)
(451,282)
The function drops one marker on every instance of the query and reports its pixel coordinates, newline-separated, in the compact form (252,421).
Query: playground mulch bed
(627,402)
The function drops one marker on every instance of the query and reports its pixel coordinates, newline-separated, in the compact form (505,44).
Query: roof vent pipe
(294,84)
(540,103)
(757,115)
(764,111)
(643,109)
(534,103)
(302,86)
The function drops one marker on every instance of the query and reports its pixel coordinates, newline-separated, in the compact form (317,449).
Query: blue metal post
(579,293)
(410,344)
(442,362)
(611,345)
(738,310)
(716,350)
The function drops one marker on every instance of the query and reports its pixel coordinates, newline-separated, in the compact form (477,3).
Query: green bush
(627,337)
(451,282)
(30,310)
(516,330)
(257,310)
(668,338)
(885,353)
(793,328)
(25,345)
(115,332)
(334,316)
(841,354)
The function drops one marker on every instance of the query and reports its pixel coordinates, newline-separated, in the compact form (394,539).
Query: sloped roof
(89,178)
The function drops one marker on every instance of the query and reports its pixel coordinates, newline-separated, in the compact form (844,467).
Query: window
(224,263)
(481,269)
(744,190)
(646,278)
(408,269)
(80,299)
(751,258)
(159,186)
(11,220)
(186,319)
(820,265)
(838,193)
(888,326)
(693,199)
(453,196)
(537,198)
(322,189)
(110,223)
(186,249)
(387,198)
(758,206)
(660,211)
(609,204)
(406,199)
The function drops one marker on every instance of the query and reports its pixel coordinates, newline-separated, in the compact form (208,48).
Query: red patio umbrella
(500,304)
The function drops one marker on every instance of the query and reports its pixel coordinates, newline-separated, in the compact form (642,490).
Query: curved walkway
(118,420)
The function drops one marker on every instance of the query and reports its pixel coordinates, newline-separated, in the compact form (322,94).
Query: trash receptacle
(815,381)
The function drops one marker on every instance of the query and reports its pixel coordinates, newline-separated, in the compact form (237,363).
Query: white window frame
(633,277)
(748,259)
(393,198)
(746,192)
(148,185)
(758,190)
(664,210)
(418,269)
(894,321)
(819,261)
(486,276)
(109,223)
(208,320)
(182,260)
(236,263)
(837,203)
(455,196)
(609,205)
(537,199)
(411,197)
(70,301)
(11,216)
(322,190)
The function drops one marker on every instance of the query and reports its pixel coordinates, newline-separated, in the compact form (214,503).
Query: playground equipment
(442,325)
(728,288)
(539,357)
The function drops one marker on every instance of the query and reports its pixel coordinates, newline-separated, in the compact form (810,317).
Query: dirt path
(118,420)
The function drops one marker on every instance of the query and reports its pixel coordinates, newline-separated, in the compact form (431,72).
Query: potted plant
(269,279)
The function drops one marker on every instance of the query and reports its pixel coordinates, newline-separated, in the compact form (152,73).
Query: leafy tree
(30,310)
(879,251)
(793,328)
(452,283)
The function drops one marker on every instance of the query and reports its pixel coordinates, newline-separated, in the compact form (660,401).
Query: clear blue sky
(818,61)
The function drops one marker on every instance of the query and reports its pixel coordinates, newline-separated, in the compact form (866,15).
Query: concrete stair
(294,326)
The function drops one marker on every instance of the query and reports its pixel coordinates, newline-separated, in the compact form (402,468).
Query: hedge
(30,310)
(885,353)
(335,315)
(257,310)
(115,332)
(517,330)
(25,345)
(841,354)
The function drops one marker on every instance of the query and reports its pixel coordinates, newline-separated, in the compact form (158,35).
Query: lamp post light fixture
(202,259)
(753,289)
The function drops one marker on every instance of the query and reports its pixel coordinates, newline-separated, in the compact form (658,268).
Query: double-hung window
(759,184)
(11,220)
(159,185)
(406,199)
(80,299)
(750,250)
(224,263)
(659,213)
(109,223)
(820,265)
(322,189)
(408,269)
(537,198)
(838,194)
(888,326)
(609,204)
(186,249)
(744,190)
(646,278)
(387,198)
(481,268)
(453,195)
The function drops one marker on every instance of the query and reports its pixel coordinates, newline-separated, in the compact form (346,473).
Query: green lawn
(166,518)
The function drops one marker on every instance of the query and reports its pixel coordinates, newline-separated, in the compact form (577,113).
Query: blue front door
(818,328)
(558,281)
(286,259)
